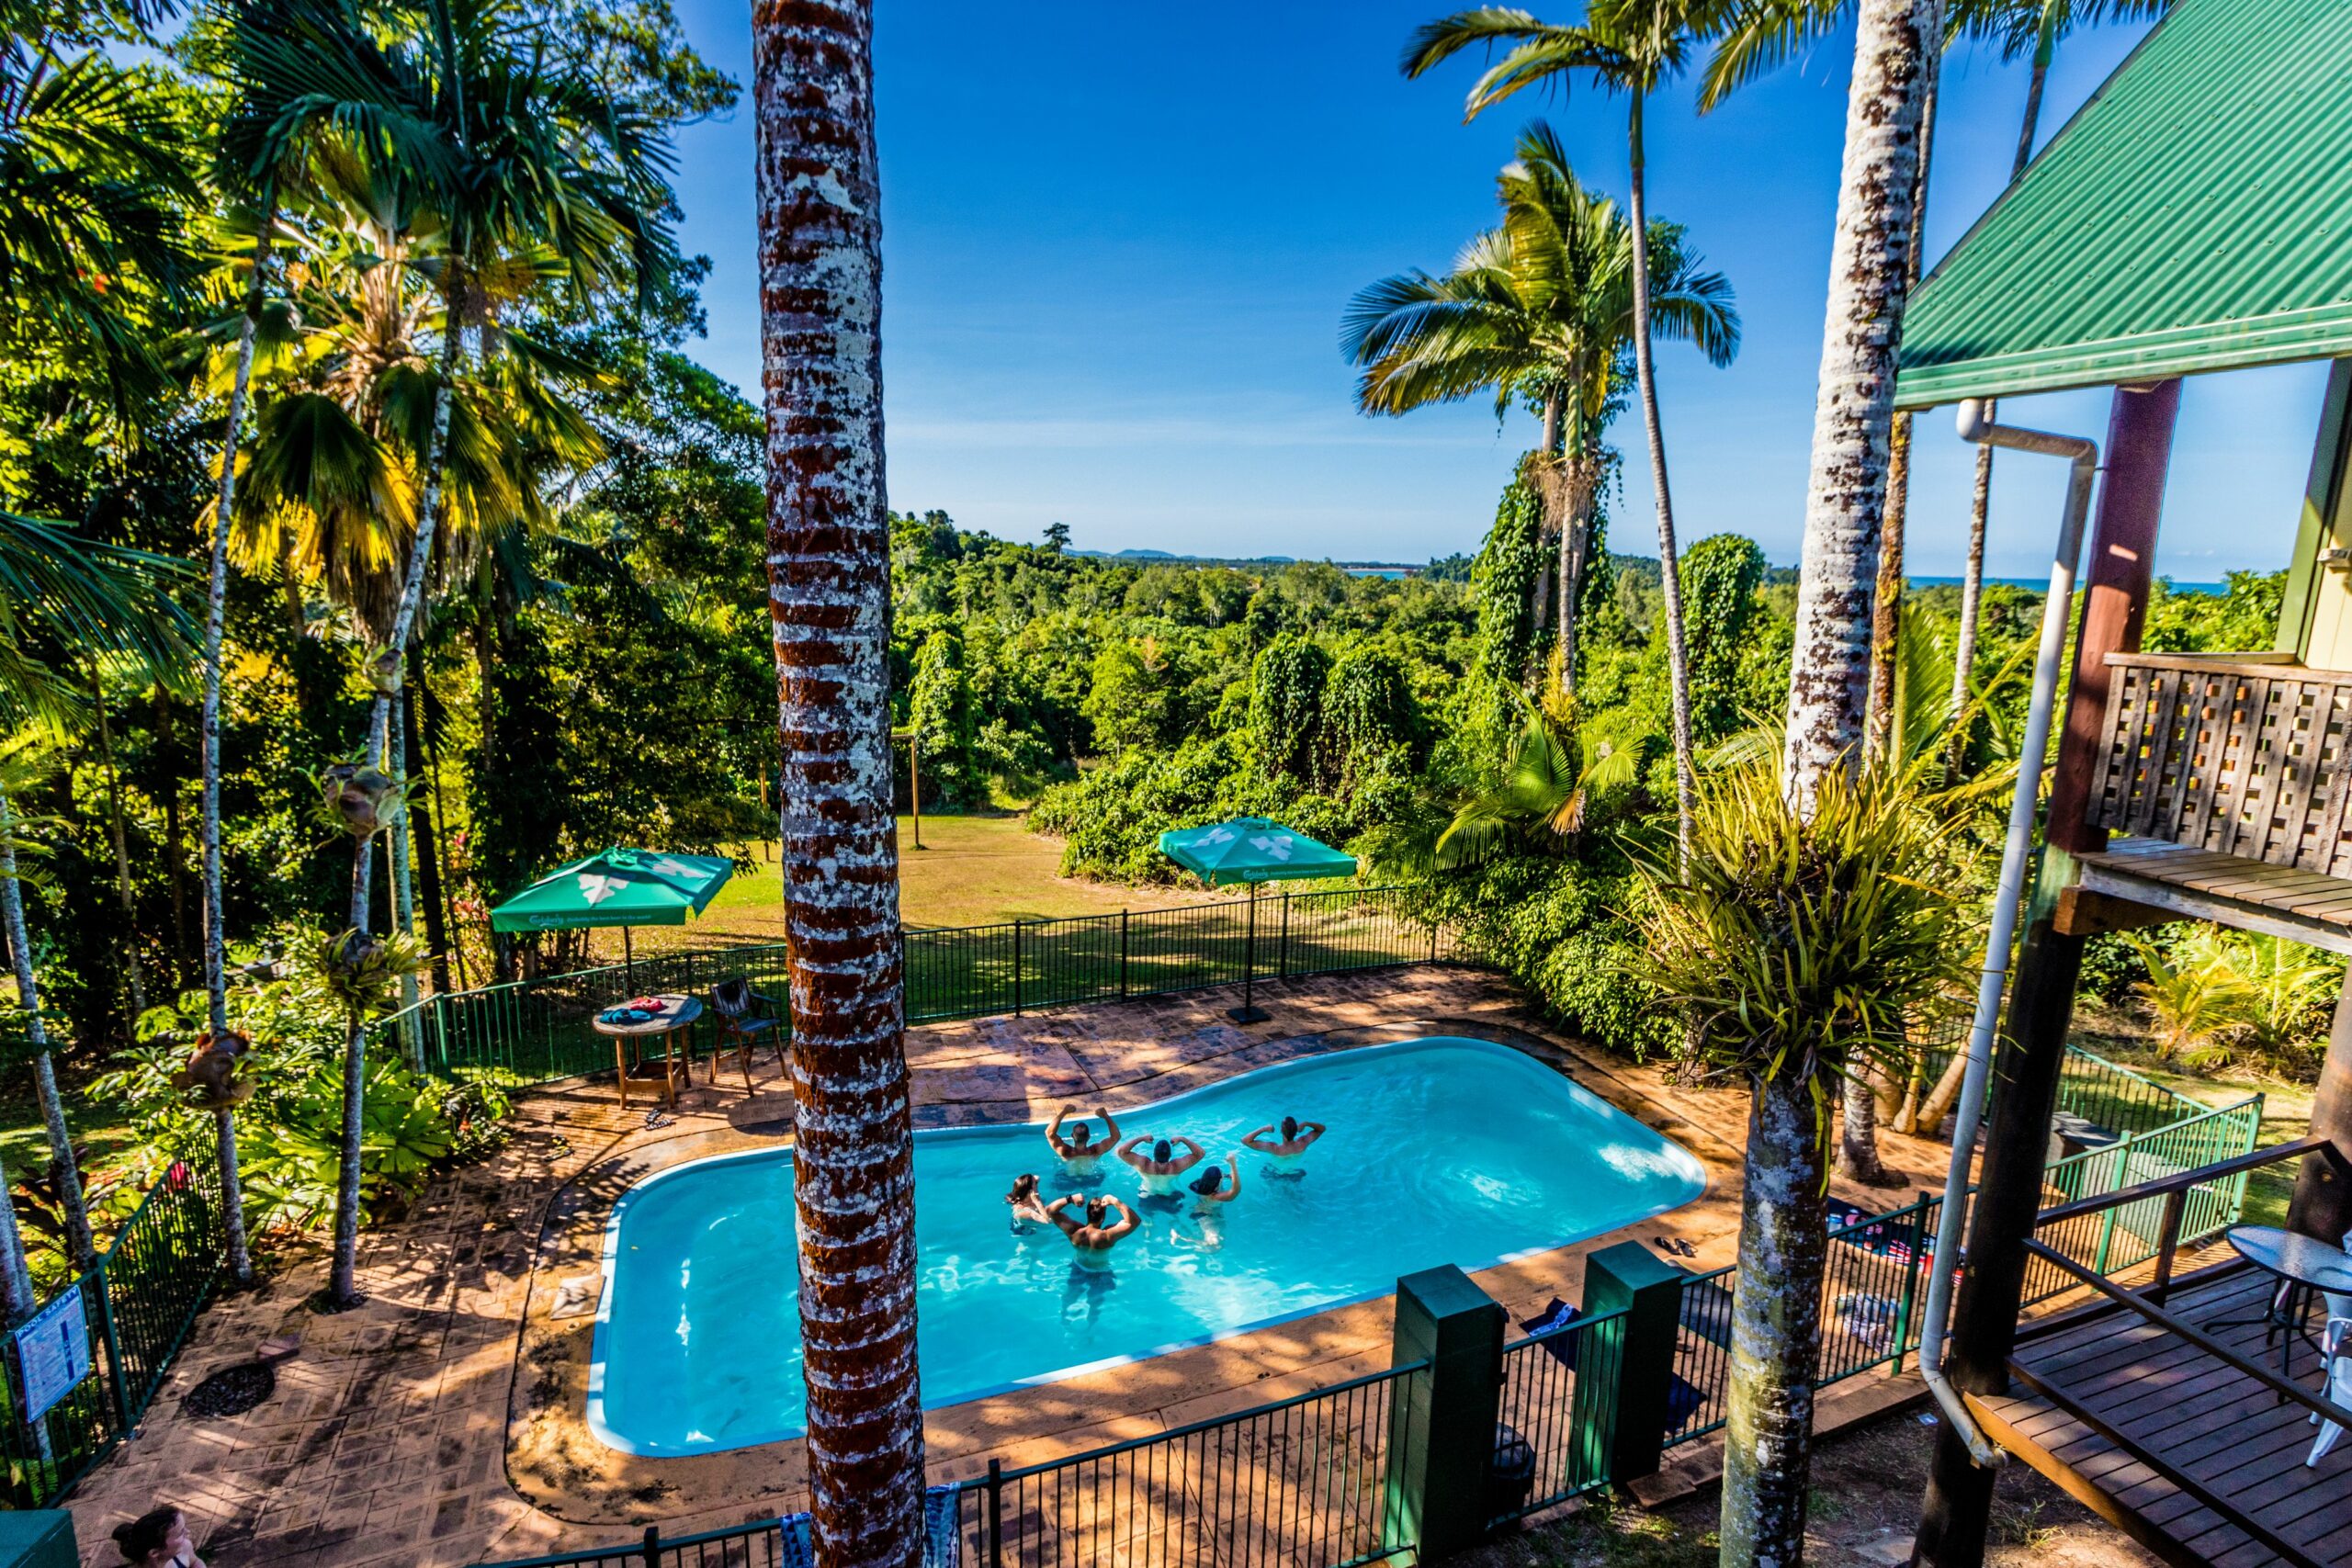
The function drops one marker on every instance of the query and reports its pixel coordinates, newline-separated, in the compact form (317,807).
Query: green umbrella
(617,887)
(1251,850)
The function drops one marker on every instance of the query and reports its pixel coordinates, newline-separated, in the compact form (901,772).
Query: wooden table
(677,1015)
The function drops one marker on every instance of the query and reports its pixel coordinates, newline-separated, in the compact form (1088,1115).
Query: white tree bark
(1895,61)
(820,264)
(64,1170)
(1777,1330)
(1678,651)
(216,984)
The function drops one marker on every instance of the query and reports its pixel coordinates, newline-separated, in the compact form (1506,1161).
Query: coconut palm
(1624,46)
(1540,308)
(829,567)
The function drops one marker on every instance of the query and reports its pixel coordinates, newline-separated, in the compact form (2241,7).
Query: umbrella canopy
(1251,849)
(617,887)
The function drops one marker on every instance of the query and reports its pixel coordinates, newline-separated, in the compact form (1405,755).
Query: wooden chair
(744,1027)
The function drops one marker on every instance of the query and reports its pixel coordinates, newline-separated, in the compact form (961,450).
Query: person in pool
(1087,1233)
(1296,1138)
(1160,1168)
(1028,1209)
(1081,1153)
(1213,1188)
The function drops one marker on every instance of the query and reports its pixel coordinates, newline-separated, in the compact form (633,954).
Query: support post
(1618,1427)
(1249,1011)
(1016,967)
(2321,1206)
(1123,955)
(1957,1510)
(1441,1426)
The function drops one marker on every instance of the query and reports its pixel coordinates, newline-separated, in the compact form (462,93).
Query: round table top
(677,1013)
(2294,1257)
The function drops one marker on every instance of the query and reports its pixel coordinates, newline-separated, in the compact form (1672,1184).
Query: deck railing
(2239,753)
(540,1028)
(136,1303)
(2170,1196)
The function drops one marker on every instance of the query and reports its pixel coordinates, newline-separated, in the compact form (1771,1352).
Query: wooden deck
(2175,1446)
(2245,895)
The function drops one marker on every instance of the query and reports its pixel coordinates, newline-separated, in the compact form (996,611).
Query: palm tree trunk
(1777,1322)
(403,874)
(1775,1328)
(16,1300)
(133,968)
(343,1288)
(1980,500)
(64,1172)
(1678,652)
(216,982)
(428,816)
(820,213)
(1575,542)
(1886,624)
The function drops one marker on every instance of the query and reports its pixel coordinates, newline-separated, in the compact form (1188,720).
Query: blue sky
(1117,241)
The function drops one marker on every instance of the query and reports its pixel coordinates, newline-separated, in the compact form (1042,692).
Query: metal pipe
(2008,893)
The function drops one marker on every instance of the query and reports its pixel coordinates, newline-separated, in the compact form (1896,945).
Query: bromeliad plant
(1799,944)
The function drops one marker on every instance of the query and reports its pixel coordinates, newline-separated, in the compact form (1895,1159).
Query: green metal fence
(139,1301)
(540,1029)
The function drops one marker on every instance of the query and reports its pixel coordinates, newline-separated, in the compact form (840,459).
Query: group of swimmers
(1096,1224)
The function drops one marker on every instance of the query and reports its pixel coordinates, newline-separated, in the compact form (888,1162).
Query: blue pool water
(1440,1151)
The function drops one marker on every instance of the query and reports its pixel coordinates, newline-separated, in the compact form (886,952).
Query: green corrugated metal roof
(2195,215)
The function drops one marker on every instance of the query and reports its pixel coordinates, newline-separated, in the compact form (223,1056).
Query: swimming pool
(1440,1151)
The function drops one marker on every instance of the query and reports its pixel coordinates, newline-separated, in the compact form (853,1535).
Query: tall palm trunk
(343,1288)
(1678,651)
(134,968)
(427,818)
(820,263)
(216,982)
(1858,1155)
(64,1172)
(16,1300)
(1980,498)
(1777,1326)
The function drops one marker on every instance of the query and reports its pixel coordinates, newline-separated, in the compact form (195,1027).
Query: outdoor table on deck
(677,1015)
(2303,1264)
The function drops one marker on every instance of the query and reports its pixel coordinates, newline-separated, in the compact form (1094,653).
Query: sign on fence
(53,1348)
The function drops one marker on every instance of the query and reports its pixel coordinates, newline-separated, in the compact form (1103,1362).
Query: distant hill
(1254,563)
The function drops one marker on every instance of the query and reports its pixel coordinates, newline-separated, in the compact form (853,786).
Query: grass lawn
(972,871)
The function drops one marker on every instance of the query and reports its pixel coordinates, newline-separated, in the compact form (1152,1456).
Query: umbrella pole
(629,963)
(1249,1012)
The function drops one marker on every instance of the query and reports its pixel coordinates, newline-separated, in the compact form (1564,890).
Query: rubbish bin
(1511,1475)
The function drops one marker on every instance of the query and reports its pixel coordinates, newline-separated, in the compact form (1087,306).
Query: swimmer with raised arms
(1296,1138)
(1089,1236)
(1161,1169)
(1081,1152)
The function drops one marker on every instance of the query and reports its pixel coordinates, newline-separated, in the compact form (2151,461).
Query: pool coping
(593,1411)
(558,1466)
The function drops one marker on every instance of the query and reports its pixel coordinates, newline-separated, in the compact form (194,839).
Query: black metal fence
(137,1304)
(1560,1405)
(540,1029)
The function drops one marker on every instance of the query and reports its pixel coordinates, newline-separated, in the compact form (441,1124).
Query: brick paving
(441,1423)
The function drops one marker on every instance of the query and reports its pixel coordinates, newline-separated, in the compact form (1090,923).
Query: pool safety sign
(54,1351)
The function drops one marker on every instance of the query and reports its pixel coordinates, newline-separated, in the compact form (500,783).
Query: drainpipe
(2009,895)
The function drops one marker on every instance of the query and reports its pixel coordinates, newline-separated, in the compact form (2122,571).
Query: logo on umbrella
(596,887)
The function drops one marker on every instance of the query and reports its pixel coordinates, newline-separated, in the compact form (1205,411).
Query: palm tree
(1778,1326)
(58,592)
(1631,47)
(527,157)
(1540,307)
(829,574)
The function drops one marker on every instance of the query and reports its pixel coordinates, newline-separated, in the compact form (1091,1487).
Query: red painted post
(2115,596)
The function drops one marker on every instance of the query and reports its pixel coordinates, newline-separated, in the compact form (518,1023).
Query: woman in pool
(1090,1237)
(1081,1155)
(1161,1169)
(1028,1209)
(1216,1186)
(1298,1137)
